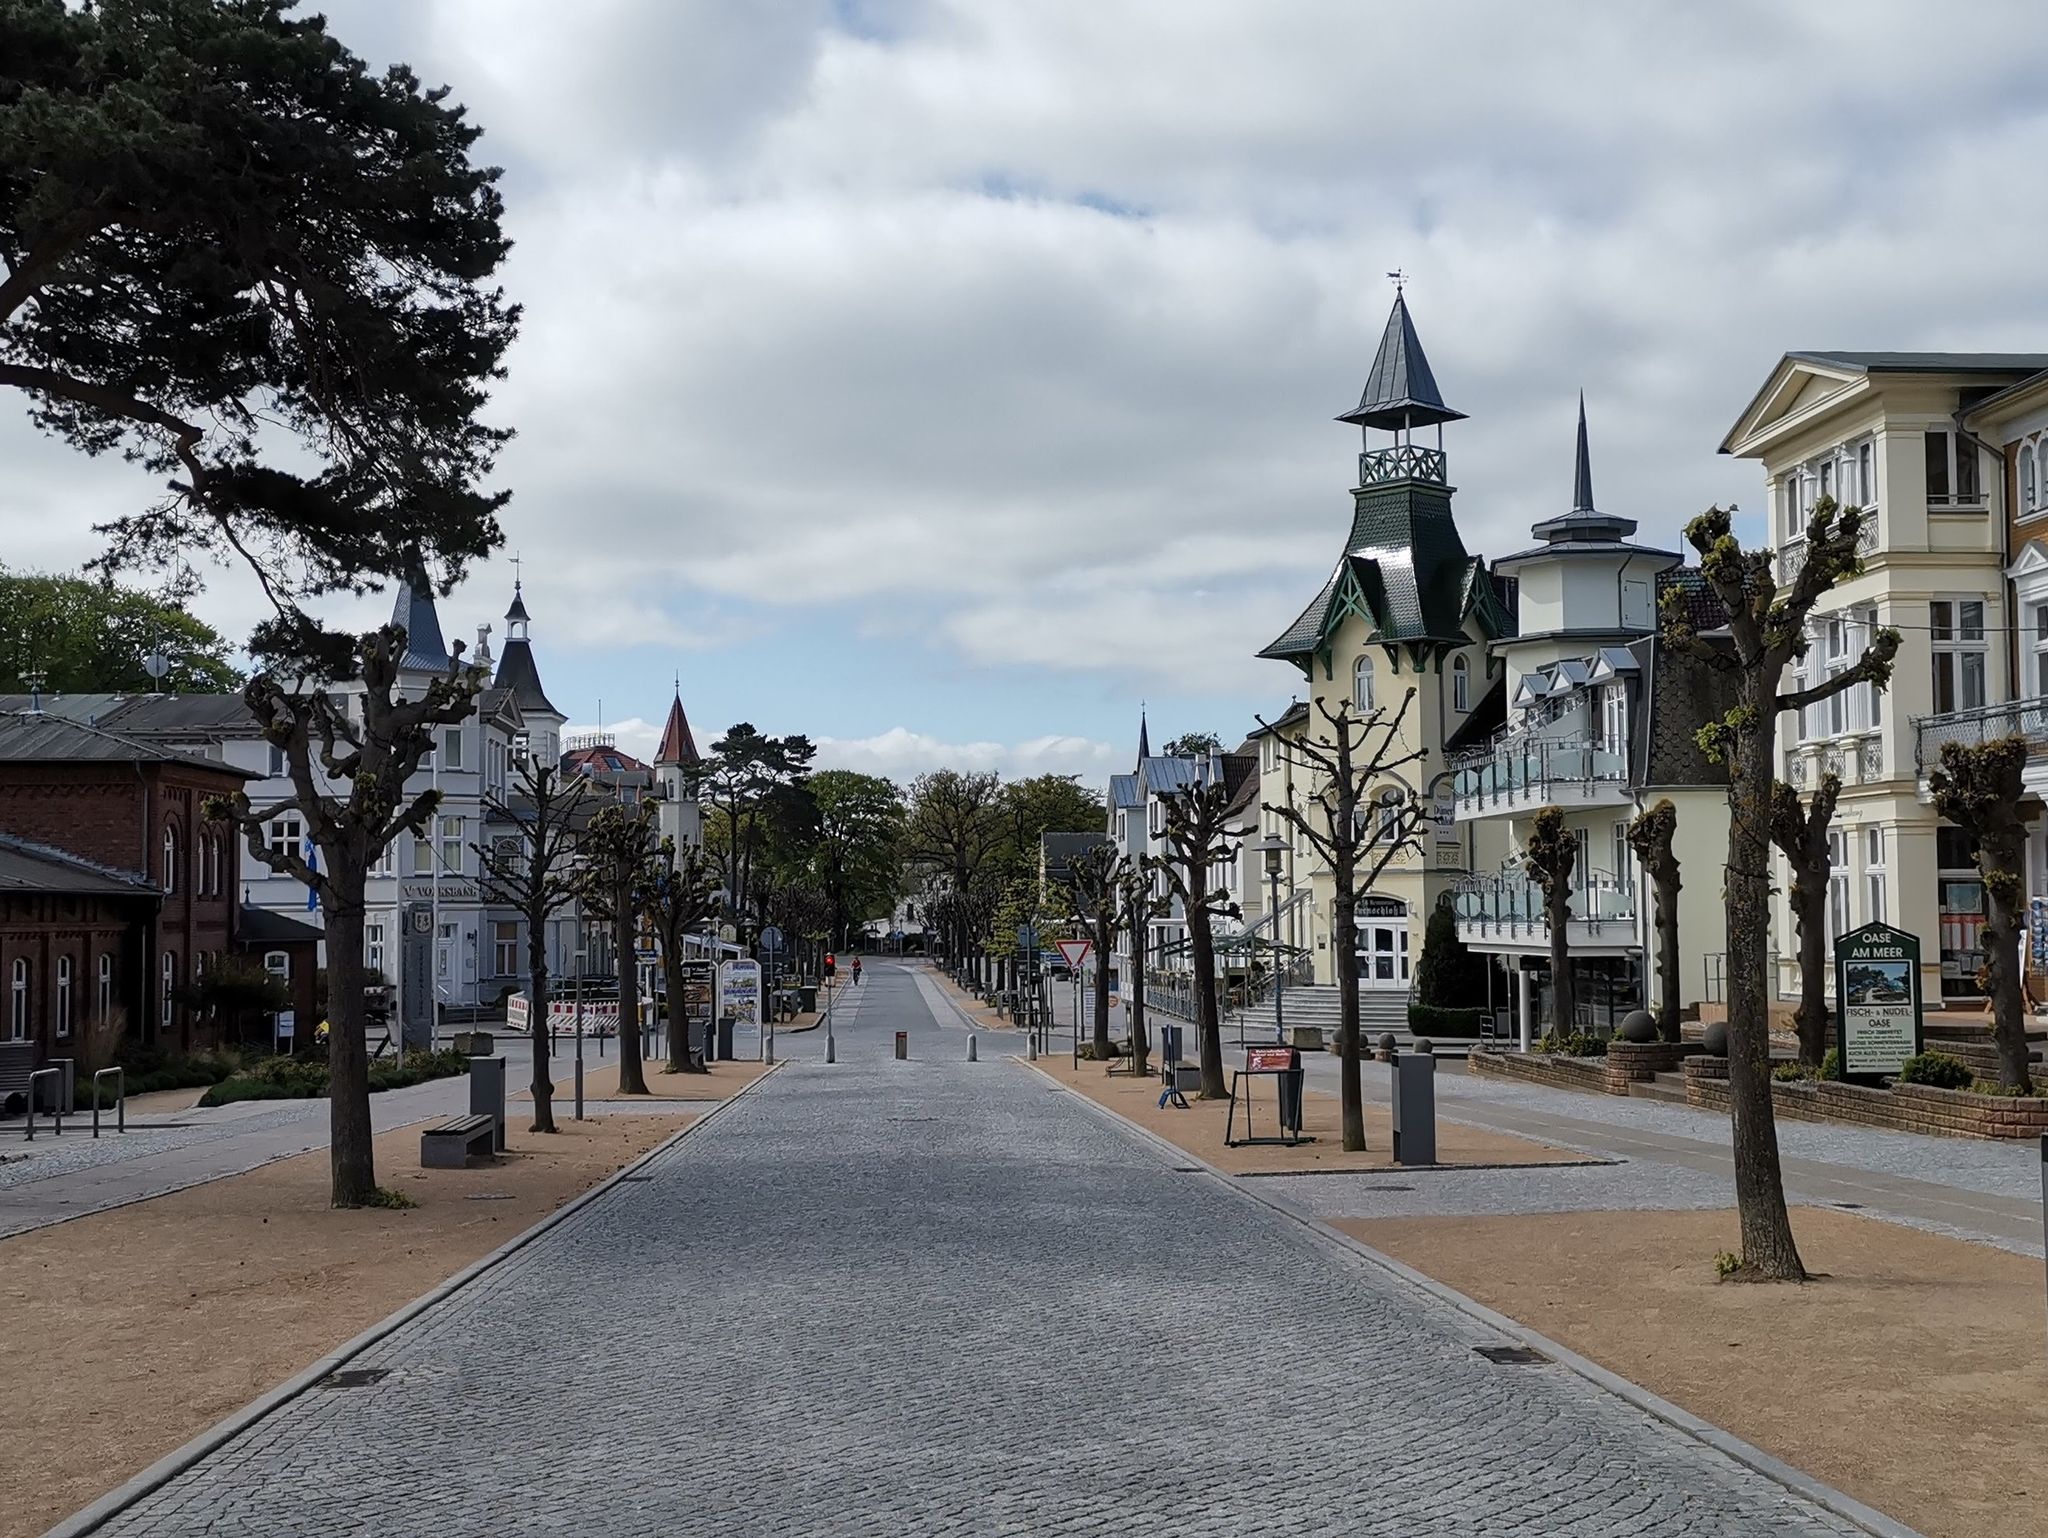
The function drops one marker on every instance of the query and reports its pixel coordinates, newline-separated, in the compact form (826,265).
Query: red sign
(1075,951)
(1268,1059)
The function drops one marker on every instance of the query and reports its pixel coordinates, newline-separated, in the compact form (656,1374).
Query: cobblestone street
(936,1297)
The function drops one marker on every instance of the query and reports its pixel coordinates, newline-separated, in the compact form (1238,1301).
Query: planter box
(1581,1073)
(1639,1062)
(1305,1038)
(1901,1108)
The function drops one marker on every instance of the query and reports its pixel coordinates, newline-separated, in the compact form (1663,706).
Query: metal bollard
(831,1049)
(1031,1044)
(972,1055)
(902,1045)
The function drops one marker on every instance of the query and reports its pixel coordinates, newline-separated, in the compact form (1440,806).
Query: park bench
(451,1144)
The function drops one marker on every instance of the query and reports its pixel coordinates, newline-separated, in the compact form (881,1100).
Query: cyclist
(856,971)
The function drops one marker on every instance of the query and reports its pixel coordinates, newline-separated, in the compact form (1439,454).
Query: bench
(453,1143)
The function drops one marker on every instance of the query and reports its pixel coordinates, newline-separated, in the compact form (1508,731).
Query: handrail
(57,1113)
(120,1099)
(1978,725)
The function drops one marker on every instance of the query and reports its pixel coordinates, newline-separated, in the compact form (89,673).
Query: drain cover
(1848,1206)
(1511,1356)
(355,1377)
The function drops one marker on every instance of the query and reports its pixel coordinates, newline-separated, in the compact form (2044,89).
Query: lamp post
(1272,848)
(579,1033)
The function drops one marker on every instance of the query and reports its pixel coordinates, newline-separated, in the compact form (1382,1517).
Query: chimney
(483,645)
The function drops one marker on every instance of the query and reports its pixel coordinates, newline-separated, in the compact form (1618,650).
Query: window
(17,1006)
(1873,876)
(1838,882)
(285,837)
(170,866)
(1614,718)
(277,764)
(1794,504)
(2041,648)
(105,1000)
(1960,915)
(1836,659)
(504,949)
(278,964)
(1827,478)
(451,748)
(422,856)
(63,1020)
(1623,872)
(1866,474)
(169,985)
(451,845)
(1956,634)
(381,866)
(1952,471)
(2030,486)
(1389,830)
(373,948)
(1361,683)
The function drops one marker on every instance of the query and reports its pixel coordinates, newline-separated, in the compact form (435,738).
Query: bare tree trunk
(2005,891)
(1202,956)
(537,996)
(351,1156)
(1557,917)
(1103,936)
(1810,910)
(1768,1249)
(1344,955)
(632,1078)
(1668,987)
(680,1058)
(1141,1046)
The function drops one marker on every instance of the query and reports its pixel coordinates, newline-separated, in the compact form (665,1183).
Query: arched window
(2029,485)
(170,870)
(1390,803)
(1461,685)
(106,989)
(1361,683)
(278,964)
(170,986)
(63,1021)
(17,1004)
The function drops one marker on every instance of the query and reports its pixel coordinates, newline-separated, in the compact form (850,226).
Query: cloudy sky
(943,377)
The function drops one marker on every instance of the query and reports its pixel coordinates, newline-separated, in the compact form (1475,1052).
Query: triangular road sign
(1076,951)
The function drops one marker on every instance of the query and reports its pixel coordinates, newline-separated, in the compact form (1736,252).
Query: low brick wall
(1902,1108)
(1638,1062)
(1584,1073)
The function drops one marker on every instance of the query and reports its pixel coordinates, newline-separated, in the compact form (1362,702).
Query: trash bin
(1290,1096)
(487,1094)
(1415,1108)
(807,998)
(725,1025)
(1169,1044)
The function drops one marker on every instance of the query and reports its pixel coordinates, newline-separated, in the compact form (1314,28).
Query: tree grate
(355,1377)
(1511,1356)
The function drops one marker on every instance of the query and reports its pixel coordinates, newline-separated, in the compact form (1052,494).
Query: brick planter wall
(1583,1073)
(1902,1108)
(1638,1062)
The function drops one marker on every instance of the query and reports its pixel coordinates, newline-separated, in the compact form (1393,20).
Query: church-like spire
(1584,522)
(516,668)
(677,745)
(1144,737)
(1582,477)
(414,610)
(1400,392)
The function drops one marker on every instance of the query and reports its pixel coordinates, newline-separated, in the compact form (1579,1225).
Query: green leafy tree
(1448,976)
(1979,789)
(955,829)
(857,857)
(1193,745)
(1042,804)
(1767,632)
(263,273)
(745,782)
(86,635)
(1552,856)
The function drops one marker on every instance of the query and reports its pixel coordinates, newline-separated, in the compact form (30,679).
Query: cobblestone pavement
(937,1298)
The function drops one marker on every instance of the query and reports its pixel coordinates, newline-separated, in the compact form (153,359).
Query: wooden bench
(451,1144)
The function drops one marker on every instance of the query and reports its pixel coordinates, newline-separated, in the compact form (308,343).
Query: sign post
(1075,953)
(1877,1000)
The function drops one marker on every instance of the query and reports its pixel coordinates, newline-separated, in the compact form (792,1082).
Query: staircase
(1380,1010)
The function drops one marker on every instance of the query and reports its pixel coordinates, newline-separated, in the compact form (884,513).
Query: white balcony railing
(1516,773)
(2026,718)
(1792,554)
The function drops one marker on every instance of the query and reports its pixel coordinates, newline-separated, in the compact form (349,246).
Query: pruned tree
(1344,759)
(678,895)
(618,849)
(1766,632)
(1094,878)
(1801,834)
(373,752)
(1551,855)
(1979,790)
(1651,835)
(1197,818)
(534,871)
(1141,898)
(955,825)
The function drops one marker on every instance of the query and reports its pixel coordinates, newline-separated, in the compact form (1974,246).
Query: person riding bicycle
(856,969)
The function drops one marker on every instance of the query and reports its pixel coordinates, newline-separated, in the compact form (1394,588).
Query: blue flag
(312,861)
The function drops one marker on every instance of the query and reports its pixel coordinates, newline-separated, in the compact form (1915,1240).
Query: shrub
(1791,1073)
(1433,1020)
(1577,1044)
(1448,976)
(1726,1264)
(1937,1070)
(301,1078)
(1831,1063)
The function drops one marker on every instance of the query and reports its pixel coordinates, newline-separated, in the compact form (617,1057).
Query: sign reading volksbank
(1877,997)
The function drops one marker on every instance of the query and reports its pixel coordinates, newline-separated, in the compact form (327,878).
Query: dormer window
(1461,685)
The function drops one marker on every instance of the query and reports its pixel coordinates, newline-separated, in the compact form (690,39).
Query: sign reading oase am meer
(1877,997)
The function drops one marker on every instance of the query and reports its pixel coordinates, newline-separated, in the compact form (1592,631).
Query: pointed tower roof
(516,668)
(1400,391)
(677,745)
(414,609)
(1144,737)
(1584,522)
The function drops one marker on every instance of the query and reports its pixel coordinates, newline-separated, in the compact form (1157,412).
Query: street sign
(1027,937)
(1076,951)
(1877,981)
(771,938)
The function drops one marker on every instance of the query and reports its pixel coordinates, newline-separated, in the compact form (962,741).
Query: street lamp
(580,956)
(1273,848)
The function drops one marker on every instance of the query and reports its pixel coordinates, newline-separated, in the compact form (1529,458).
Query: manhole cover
(1511,1356)
(355,1377)
(1848,1206)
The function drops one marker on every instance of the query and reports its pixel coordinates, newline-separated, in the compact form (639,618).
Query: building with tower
(674,760)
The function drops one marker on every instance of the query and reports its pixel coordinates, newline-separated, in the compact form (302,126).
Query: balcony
(1402,462)
(1792,554)
(2016,718)
(1505,913)
(1516,774)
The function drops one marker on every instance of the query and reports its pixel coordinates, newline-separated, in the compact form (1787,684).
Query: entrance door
(1383,943)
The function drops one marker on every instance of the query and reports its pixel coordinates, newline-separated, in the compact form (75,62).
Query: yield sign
(1076,951)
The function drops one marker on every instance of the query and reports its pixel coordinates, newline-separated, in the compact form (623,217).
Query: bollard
(1031,1043)
(972,1057)
(831,1049)
(768,1048)
(902,1045)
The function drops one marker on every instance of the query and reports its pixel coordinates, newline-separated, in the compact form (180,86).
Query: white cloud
(636,736)
(902,755)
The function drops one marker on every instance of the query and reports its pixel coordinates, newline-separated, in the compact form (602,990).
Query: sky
(943,378)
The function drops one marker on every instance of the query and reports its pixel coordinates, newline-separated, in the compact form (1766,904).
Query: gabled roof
(1124,792)
(31,867)
(1162,775)
(1805,383)
(1400,391)
(32,739)
(677,745)
(265,926)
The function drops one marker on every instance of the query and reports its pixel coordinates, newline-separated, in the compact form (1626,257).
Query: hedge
(1431,1020)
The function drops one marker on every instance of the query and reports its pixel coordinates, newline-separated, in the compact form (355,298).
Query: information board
(739,996)
(1877,995)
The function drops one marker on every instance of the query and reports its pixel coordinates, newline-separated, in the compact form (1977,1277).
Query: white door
(1383,954)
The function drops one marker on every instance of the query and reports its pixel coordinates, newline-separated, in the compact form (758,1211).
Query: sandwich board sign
(1877,999)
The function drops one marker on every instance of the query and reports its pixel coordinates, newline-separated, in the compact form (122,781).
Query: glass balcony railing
(1513,905)
(1526,771)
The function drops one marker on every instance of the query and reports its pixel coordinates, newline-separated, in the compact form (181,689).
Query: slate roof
(1485,719)
(261,926)
(1400,391)
(517,672)
(678,746)
(1676,694)
(1163,775)
(30,739)
(414,610)
(1058,851)
(32,867)
(1701,604)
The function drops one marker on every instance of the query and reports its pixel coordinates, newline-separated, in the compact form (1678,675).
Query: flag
(313,864)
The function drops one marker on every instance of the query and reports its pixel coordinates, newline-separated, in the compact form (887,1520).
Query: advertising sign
(739,995)
(1877,994)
